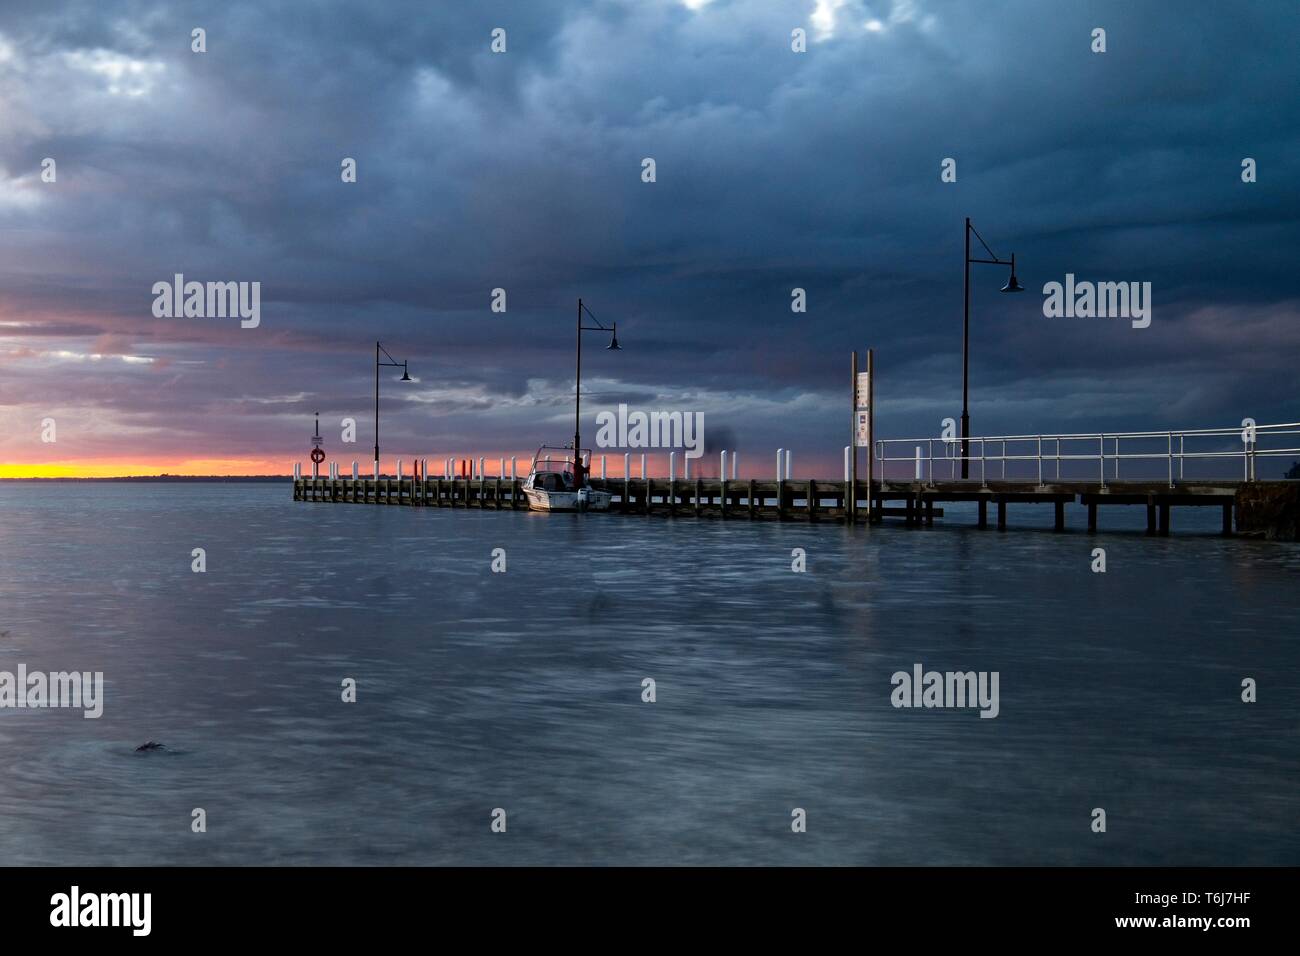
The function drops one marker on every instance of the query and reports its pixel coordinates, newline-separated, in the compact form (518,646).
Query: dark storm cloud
(775,170)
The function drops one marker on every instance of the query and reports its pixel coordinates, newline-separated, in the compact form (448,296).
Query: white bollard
(480,467)
(424,469)
(847,452)
(602,467)
(514,473)
(672,465)
(399,469)
(627,465)
(735,458)
(501,468)
(722,475)
(780,457)
(643,464)
(354,471)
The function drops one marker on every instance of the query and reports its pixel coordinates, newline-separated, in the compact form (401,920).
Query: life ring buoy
(317,455)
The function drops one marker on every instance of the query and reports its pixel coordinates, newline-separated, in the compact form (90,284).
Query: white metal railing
(1183,455)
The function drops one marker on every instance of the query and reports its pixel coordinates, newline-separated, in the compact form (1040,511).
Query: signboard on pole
(862,410)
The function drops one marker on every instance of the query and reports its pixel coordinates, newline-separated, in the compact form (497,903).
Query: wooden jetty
(1020,470)
(809,500)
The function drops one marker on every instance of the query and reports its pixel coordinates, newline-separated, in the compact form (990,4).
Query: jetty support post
(780,483)
(672,482)
(627,479)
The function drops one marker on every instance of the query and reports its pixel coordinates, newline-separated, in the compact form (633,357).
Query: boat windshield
(553,480)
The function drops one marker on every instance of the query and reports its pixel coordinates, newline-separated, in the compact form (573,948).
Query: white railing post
(602,467)
(735,457)
(788,470)
(918,462)
(643,464)
(722,475)
(780,457)
(1101,445)
(672,466)
(1040,461)
(354,471)
(846,462)
(627,465)
(514,467)
(1171,459)
(399,469)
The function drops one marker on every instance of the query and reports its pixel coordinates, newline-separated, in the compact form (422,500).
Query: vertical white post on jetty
(627,464)
(686,469)
(297,471)
(722,475)
(672,466)
(602,467)
(642,464)
(354,471)
(502,472)
(424,469)
(399,469)
(513,468)
(787,464)
(735,459)
(780,457)
(918,462)
(847,451)
(480,467)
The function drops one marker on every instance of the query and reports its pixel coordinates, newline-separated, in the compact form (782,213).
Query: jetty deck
(915,502)
(912,479)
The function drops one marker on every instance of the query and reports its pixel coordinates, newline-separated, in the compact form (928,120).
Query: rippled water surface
(523,690)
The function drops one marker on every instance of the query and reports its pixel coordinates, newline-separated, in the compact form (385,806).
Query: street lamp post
(405,378)
(1013,285)
(577,378)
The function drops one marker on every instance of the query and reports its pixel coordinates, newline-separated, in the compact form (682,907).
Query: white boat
(551,486)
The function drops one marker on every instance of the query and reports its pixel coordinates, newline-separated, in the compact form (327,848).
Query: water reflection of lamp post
(1013,285)
(406,377)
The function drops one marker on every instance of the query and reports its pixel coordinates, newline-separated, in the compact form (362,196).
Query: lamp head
(613,342)
(405,375)
(1013,284)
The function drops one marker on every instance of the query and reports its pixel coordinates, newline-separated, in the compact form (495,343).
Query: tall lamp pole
(577,379)
(405,378)
(1013,285)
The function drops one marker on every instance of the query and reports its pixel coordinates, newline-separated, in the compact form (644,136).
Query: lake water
(523,690)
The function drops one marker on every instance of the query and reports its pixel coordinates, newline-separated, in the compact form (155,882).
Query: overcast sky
(523,170)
